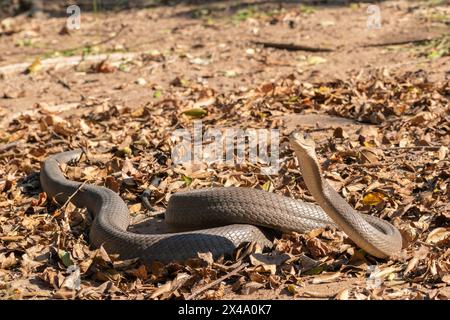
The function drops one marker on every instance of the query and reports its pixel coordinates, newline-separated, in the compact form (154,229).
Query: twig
(291,46)
(79,187)
(216,282)
(110,38)
(430,148)
(61,81)
(72,195)
(426,244)
(368,165)
(95,44)
(398,43)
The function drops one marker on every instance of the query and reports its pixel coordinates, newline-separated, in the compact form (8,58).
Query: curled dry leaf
(170,286)
(439,235)
(327,277)
(446,278)
(7,261)
(206,257)
(373,198)
(317,248)
(343,295)
(215,294)
(103,67)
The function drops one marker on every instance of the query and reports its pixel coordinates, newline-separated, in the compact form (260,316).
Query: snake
(219,219)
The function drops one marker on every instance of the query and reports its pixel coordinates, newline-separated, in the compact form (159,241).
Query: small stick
(291,46)
(110,38)
(216,282)
(398,43)
(72,195)
(367,165)
(430,148)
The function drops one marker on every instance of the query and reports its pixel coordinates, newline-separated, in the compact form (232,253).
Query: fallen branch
(216,282)
(291,46)
(370,165)
(399,42)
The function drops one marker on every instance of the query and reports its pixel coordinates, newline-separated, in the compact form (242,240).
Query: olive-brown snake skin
(224,217)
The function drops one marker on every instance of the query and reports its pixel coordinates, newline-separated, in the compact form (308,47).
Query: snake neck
(312,175)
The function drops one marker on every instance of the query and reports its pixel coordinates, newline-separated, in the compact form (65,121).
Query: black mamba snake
(231,216)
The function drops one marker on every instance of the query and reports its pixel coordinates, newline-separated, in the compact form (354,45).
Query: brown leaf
(368,156)
(64,293)
(40,202)
(340,133)
(317,248)
(438,235)
(267,88)
(373,198)
(102,256)
(171,286)
(140,272)
(215,294)
(135,208)
(62,129)
(257,277)
(7,262)
(442,152)
(343,295)
(103,67)
(52,277)
(327,277)
(206,257)
(268,263)
(446,278)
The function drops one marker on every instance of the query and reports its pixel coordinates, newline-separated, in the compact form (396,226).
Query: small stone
(141,81)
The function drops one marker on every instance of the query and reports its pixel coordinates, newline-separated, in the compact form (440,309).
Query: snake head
(302,144)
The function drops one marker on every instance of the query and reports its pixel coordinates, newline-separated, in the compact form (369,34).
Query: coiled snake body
(231,216)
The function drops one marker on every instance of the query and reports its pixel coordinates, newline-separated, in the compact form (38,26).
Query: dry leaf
(7,261)
(438,235)
(35,66)
(196,112)
(327,277)
(373,198)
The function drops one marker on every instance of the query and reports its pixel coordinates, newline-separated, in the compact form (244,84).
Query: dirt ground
(212,45)
(134,60)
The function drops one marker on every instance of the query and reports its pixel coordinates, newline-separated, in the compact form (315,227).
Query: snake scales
(223,217)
